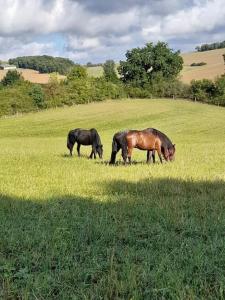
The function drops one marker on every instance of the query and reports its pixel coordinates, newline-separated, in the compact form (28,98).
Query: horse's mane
(96,136)
(166,142)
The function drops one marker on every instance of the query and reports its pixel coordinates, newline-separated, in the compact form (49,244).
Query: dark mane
(166,142)
(96,136)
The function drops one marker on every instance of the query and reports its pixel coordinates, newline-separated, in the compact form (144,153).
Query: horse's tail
(119,141)
(114,150)
(68,140)
(71,139)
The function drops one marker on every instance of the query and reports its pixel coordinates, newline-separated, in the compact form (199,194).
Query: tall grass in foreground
(79,229)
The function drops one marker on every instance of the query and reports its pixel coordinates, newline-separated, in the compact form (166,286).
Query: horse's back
(142,139)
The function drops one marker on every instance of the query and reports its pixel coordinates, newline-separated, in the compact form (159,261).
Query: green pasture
(75,228)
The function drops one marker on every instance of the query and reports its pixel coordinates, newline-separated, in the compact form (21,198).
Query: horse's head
(99,150)
(170,153)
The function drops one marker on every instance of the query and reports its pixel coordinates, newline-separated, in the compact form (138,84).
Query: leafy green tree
(38,96)
(109,71)
(11,77)
(77,72)
(144,64)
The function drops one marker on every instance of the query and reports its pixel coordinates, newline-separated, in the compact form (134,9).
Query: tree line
(43,64)
(147,72)
(212,46)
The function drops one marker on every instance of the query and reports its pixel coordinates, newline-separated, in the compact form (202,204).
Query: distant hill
(43,64)
(214,65)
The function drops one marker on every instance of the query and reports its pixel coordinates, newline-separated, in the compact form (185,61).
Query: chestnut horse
(119,142)
(150,139)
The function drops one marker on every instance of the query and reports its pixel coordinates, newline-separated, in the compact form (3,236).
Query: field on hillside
(74,228)
(215,66)
(32,75)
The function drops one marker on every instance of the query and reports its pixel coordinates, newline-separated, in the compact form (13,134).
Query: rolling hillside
(75,228)
(215,65)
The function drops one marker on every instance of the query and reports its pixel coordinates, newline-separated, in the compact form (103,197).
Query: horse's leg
(129,154)
(91,154)
(153,156)
(113,155)
(159,154)
(124,154)
(149,156)
(71,150)
(78,149)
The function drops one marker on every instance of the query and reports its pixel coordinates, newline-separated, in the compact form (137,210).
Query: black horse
(85,137)
(119,142)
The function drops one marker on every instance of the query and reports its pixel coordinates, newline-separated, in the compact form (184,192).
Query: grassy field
(32,76)
(74,228)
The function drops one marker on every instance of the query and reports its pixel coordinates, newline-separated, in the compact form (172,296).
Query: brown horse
(152,140)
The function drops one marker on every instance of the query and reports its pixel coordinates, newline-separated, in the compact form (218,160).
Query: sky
(96,30)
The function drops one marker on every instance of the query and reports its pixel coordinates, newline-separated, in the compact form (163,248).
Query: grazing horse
(119,142)
(85,137)
(149,139)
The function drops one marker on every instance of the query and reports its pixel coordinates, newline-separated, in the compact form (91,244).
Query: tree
(224,58)
(38,96)
(44,63)
(144,64)
(11,77)
(109,71)
(77,72)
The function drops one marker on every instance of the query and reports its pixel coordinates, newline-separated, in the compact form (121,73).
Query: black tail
(119,142)
(114,151)
(68,141)
(71,138)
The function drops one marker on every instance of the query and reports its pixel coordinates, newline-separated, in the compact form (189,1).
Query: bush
(12,77)
(202,63)
(37,94)
(220,91)
(202,90)
(16,99)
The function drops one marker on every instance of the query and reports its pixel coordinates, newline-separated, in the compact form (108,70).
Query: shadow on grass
(154,239)
(121,163)
(66,155)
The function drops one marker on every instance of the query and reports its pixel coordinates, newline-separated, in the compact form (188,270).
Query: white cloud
(203,17)
(11,47)
(94,29)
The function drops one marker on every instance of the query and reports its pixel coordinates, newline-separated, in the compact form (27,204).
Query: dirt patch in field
(214,65)
(32,76)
